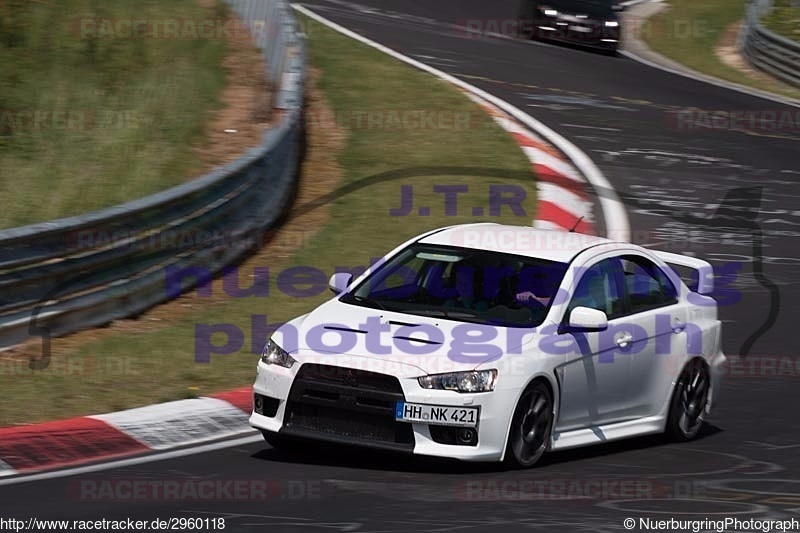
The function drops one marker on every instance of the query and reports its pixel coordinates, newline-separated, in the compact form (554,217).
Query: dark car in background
(592,23)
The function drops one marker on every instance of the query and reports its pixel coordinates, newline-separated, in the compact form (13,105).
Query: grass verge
(89,115)
(784,19)
(353,135)
(709,20)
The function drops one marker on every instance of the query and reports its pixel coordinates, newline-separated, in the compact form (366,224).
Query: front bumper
(594,34)
(342,413)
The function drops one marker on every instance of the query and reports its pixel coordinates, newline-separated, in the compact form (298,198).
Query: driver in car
(531,289)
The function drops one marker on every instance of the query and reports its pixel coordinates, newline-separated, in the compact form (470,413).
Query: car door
(657,320)
(595,378)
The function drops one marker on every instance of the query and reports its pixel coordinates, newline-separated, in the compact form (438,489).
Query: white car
(487,342)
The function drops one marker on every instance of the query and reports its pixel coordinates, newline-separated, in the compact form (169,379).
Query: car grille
(579,28)
(347,405)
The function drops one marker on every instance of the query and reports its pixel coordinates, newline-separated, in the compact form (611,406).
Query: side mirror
(339,282)
(587,319)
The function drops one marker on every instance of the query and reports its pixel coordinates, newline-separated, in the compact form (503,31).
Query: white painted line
(180,423)
(749,91)
(536,156)
(540,157)
(616,219)
(566,200)
(581,126)
(434,58)
(512,126)
(5,469)
(133,461)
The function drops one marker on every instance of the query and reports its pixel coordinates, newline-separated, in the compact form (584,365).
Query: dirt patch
(727,51)
(246,105)
(320,175)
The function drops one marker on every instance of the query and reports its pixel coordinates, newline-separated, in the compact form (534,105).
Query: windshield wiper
(370,301)
(452,315)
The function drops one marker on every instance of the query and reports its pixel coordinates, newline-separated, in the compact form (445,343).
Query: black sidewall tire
(290,446)
(273,439)
(511,458)
(673,429)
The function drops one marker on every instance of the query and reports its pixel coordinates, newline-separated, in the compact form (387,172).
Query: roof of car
(552,245)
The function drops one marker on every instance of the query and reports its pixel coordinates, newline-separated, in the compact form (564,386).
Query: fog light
(467,436)
(265,405)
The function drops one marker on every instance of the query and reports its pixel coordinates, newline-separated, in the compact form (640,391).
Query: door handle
(678,325)
(623,339)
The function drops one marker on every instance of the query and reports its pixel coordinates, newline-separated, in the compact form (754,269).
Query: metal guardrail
(70,274)
(767,50)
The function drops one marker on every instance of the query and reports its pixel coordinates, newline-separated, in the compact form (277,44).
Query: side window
(598,289)
(646,285)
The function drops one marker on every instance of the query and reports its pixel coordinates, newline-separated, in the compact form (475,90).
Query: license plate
(436,414)
(581,29)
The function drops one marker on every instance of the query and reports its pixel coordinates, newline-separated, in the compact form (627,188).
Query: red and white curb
(562,202)
(64,443)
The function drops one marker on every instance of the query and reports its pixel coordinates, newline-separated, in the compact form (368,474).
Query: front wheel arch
(543,382)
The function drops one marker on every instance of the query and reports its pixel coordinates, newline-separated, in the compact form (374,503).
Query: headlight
(612,24)
(550,12)
(275,355)
(471,381)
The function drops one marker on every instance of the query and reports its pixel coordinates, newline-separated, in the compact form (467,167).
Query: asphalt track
(745,465)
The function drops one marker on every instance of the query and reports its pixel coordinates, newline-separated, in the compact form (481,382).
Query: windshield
(578,4)
(598,3)
(463,284)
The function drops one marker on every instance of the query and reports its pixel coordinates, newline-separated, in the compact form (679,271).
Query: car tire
(290,446)
(531,426)
(688,405)
(273,439)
